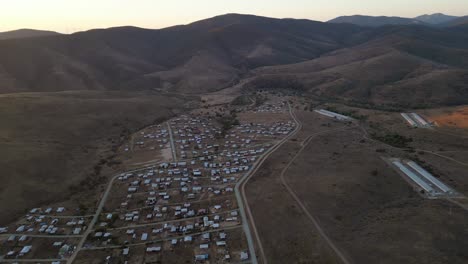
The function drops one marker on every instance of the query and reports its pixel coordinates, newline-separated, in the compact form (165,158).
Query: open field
(285,232)
(457,117)
(56,144)
(356,198)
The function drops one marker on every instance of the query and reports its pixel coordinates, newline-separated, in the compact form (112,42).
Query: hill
(375,21)
(437,18)
(392,70)
(26,33)
(461,21)
(174,58)
(218,52)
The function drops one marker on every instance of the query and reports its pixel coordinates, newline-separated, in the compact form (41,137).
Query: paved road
(246,213)
(174,152)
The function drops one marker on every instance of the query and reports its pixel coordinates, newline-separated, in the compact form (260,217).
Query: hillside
(392,70)
(26,33)
(173,58)
(461,21)
(375,21)
(51,143)
(218,52)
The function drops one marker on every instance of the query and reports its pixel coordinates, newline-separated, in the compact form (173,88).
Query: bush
(227,122)
(394,140)
(241,100)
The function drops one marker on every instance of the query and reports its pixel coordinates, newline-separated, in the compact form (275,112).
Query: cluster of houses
(50,225)
(152,137)
(49,222)
(21,248)
(275,129)
(204,244)
(271,108)
(187,202)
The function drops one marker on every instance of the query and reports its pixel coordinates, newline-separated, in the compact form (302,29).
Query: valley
(236,139)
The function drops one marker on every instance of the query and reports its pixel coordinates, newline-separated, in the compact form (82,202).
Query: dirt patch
(456,118)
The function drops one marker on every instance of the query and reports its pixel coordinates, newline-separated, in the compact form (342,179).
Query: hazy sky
(75,15)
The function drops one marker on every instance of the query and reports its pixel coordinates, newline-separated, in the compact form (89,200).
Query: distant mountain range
(437,19)
(376,21)
(409,65)
(26,33)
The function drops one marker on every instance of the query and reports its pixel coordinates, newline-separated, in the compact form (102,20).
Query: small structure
(333,115)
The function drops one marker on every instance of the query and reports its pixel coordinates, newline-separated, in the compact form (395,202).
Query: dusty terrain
(56,144)
(454,118)
(366,209)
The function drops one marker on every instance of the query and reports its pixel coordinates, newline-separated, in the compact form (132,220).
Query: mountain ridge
(216,53)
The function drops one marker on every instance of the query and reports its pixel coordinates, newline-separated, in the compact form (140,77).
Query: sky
(68,16)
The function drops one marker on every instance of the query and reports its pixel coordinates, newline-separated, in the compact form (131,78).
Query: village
(183,208)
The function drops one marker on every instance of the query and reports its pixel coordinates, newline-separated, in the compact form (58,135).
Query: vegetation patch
(393,139)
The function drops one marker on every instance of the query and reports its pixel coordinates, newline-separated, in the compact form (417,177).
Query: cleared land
(457,117)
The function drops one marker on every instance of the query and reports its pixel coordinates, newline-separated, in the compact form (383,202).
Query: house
(153,249)
(204,246)
(221,243)
(222,235)
(77,231)
(244,256)
(25,250)
(201,257)
(57,244)
(206,236)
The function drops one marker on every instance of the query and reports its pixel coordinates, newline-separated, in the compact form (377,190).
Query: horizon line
(194,21)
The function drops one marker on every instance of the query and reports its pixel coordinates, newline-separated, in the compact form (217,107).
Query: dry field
(56,144)
(286,233)
(365,208)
